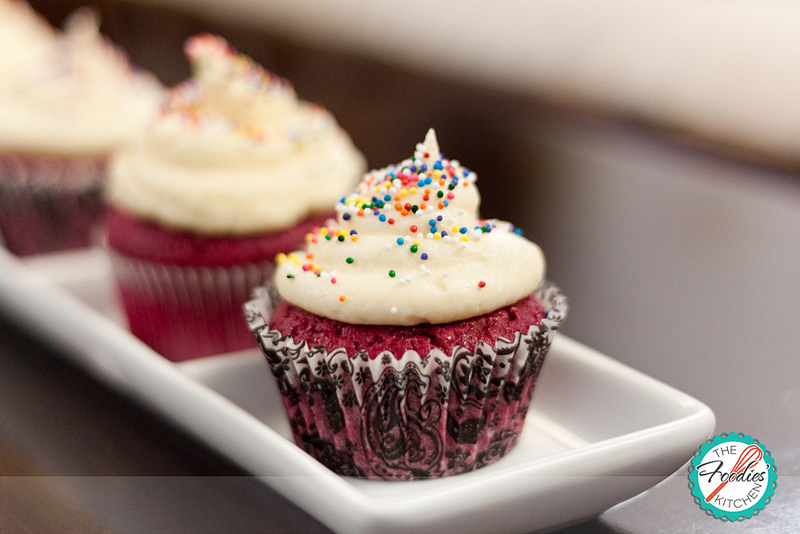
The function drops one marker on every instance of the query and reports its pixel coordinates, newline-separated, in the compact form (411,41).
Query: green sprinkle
(440,194)
(289,276)
(451,187)
(328,237)
(341,238)
(349,260)
(392,274)
(414,208)
(414,248)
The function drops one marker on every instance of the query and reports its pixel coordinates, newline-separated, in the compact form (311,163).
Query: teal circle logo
(732,477)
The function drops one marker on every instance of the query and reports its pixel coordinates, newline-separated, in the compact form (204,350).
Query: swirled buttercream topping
(69,93)
(407,247)
(235,152)
(27,45)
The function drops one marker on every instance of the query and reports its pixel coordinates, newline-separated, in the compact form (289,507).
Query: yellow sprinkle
(415,242)
(324,231)
(464,238)
(280,258)
(437,235)
(455,229)
(436,174)
(403,192)
(413,190)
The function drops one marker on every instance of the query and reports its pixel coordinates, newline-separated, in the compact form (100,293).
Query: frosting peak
(70,92)
(407,247)
(235,87)
(234,152)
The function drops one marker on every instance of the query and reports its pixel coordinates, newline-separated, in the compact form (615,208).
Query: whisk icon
(752,453)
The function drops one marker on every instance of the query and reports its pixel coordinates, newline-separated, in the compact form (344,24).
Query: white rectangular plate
(597,433)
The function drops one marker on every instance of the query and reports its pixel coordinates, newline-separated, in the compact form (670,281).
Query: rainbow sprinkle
(423,187)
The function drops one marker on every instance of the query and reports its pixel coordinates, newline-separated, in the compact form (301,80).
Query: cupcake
(406,337)
(235,170)
(66,101)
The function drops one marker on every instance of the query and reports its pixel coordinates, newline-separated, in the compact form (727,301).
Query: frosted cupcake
(66,101)
(407,336)
(235,170)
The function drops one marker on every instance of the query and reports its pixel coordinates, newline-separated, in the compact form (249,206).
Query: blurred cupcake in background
(235,170)
(66,101)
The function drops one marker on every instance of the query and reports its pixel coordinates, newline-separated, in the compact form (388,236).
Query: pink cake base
(49,203)
(375,339)
(147,241)
(183,293)
(414,415)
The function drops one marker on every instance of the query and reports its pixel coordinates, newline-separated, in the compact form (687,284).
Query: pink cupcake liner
(186,312)
(50,203)
(412,417)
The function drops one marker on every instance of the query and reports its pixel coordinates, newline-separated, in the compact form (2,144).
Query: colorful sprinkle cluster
(413,198)
(211,53)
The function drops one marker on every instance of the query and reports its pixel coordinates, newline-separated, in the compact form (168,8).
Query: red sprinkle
(481,284)
(413,228)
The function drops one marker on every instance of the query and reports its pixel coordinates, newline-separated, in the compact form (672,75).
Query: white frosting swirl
(71,93)
(235,152)
(408,248)
(27,45)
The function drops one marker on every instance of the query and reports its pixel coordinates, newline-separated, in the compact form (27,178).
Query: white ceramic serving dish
(598,432)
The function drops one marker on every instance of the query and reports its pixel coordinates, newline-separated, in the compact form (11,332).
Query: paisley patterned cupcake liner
(50,203)
(412,417)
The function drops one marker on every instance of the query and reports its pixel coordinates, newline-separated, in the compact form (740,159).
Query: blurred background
(651,148)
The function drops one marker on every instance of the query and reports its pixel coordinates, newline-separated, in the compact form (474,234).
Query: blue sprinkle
(428,180)
(387,198)
(439,218)
(446,203)
(382,217)
(438,166)
(518,231)
(424,167)
(424,256)
(413,169)
(376,212)
(346,216)
(463,230)
(420,183)
(432,222)
(444,233)
(434,229)
(400,241)
(352,232)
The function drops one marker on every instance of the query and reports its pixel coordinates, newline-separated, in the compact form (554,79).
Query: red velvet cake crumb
(144,240)
(315,330)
